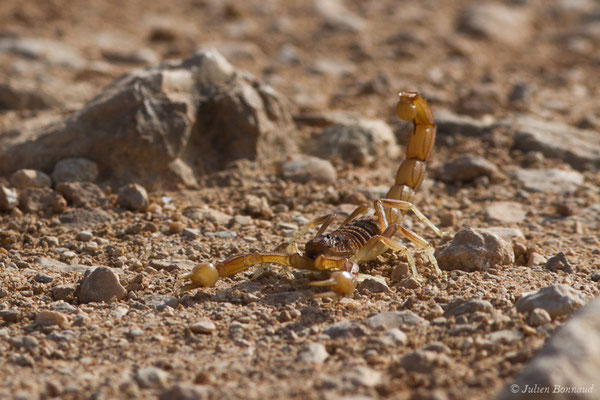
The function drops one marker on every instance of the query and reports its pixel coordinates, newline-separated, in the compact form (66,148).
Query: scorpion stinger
(359,238)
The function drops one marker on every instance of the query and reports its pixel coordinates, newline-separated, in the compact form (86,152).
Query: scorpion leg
(360,210)
(363,208)
(324,221)
(408,206)
(422,243)
(380,243)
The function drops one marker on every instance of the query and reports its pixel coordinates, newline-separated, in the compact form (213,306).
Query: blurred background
(473,57)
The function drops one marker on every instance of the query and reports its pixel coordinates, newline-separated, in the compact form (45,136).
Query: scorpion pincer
(359,238)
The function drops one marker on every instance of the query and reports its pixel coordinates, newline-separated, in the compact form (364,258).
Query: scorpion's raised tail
(413,107)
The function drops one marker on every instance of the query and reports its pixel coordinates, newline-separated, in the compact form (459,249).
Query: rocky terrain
(140,139)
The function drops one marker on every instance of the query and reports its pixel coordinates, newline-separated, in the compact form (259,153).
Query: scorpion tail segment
(413,107)
(202,275)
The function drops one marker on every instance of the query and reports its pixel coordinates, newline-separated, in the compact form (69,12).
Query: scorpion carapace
(358,238)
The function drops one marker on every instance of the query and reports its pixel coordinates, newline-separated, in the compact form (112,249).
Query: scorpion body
(358,238)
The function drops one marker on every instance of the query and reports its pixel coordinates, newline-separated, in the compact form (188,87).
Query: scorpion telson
(358,238)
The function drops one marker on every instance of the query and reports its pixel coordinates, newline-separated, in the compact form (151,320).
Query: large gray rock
(578,147)
(159,126)
(570,361)
(467,167)
(475,250)
(337,17)
(394,319)
(305,169)
(50,52)
(99,285)
(550,180)
(557,300)
(504,24)
(356,140)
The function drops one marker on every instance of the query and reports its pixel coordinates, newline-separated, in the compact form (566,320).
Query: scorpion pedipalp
(340,282)
(202,275)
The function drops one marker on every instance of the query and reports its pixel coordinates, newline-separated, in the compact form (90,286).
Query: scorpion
(365,234)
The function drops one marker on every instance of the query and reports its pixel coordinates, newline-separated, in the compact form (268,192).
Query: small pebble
(63,292)
(47,318)
(505,211)
(287,225)
(225,234)
(190,233)
(535,260)
(424,361)
(25,178)
(539,317)
(68,255)
(91,246)
(394,319)
(313,353)
(249,298)
(474,250)
(309,169)
(559,262)
(99,285)
(243,220)
(8,198)
(133,197)
(557,300)
(84,236)
(11,315)
(402,271)
(467,168)
(43,278)
(151,377)
(203,326)
(398,337)
(409,283)
(448,218)
(175,227)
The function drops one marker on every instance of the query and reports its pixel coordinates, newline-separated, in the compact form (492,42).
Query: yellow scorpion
(358,239)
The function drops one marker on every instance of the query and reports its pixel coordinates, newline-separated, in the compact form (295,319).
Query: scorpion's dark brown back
(344,241)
